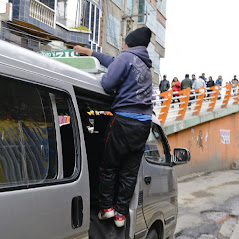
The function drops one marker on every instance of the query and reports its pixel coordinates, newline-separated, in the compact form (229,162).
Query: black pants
(174,100)
(124,147)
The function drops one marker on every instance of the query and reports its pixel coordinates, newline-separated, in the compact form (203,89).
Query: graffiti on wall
(200,140)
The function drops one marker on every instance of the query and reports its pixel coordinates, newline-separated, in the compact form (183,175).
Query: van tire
(152,234)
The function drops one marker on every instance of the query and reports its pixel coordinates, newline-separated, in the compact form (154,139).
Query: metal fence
(170,105)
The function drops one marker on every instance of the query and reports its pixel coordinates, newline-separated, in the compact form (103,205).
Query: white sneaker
(106,213)
(119,219)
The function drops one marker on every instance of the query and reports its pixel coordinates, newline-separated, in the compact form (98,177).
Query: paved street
(209,206)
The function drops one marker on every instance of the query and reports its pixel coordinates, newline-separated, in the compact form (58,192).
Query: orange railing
(194,102)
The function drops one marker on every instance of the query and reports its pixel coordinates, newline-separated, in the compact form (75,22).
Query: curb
(192,176)
(235,234)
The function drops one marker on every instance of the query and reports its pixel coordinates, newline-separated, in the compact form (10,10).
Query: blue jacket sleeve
(104,59)
(114,77)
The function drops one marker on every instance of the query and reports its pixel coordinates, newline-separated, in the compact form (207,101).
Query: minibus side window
(27,136)
(29,149)
(67,136)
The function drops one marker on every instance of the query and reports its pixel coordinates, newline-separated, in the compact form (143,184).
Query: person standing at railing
(234,82)
(164,84)
(187,83)
(176,87)
(219,82)
(193,78)
(204,78)
(210,83)
(199,83)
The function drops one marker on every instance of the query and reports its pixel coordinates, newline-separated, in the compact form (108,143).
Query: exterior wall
(156,21)
(113,31)
(161,18)
(212,148)
(125,13)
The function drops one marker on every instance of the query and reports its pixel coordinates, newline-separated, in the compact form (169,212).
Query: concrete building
(100,25)
(156,21)
(51,24)
(121,16)
(114,23)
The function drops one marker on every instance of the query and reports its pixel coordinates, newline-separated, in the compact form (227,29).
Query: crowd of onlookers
(193,83)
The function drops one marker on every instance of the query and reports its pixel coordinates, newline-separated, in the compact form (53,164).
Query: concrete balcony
(42,13)
(32,24)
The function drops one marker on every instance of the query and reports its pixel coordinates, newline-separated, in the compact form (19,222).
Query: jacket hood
(142,53)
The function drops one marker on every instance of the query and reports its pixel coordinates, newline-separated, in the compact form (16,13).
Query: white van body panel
(44,211)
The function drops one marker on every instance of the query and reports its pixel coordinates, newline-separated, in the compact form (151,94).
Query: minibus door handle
(77,212)
(147,180)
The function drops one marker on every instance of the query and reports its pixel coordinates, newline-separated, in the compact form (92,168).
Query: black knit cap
(139,37)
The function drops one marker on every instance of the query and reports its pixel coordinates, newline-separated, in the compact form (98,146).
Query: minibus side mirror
(181,156)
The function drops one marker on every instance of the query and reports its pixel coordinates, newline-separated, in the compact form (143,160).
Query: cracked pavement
(208,205)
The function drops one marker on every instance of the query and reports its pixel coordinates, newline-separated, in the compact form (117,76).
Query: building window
(117,2)
(141,10)
(49,3)
(87,21)
(92,21)
(151,21)
(160,36)
(80,13)
(97,25)
(161,6)
(61,15)
(113,30)
(92,28)
(130,4)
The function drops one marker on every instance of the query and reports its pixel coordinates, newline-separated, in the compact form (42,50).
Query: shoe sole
(107,215)
(119,223)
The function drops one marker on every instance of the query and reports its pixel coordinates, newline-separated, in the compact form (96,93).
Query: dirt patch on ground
(202,194)
(231,183)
